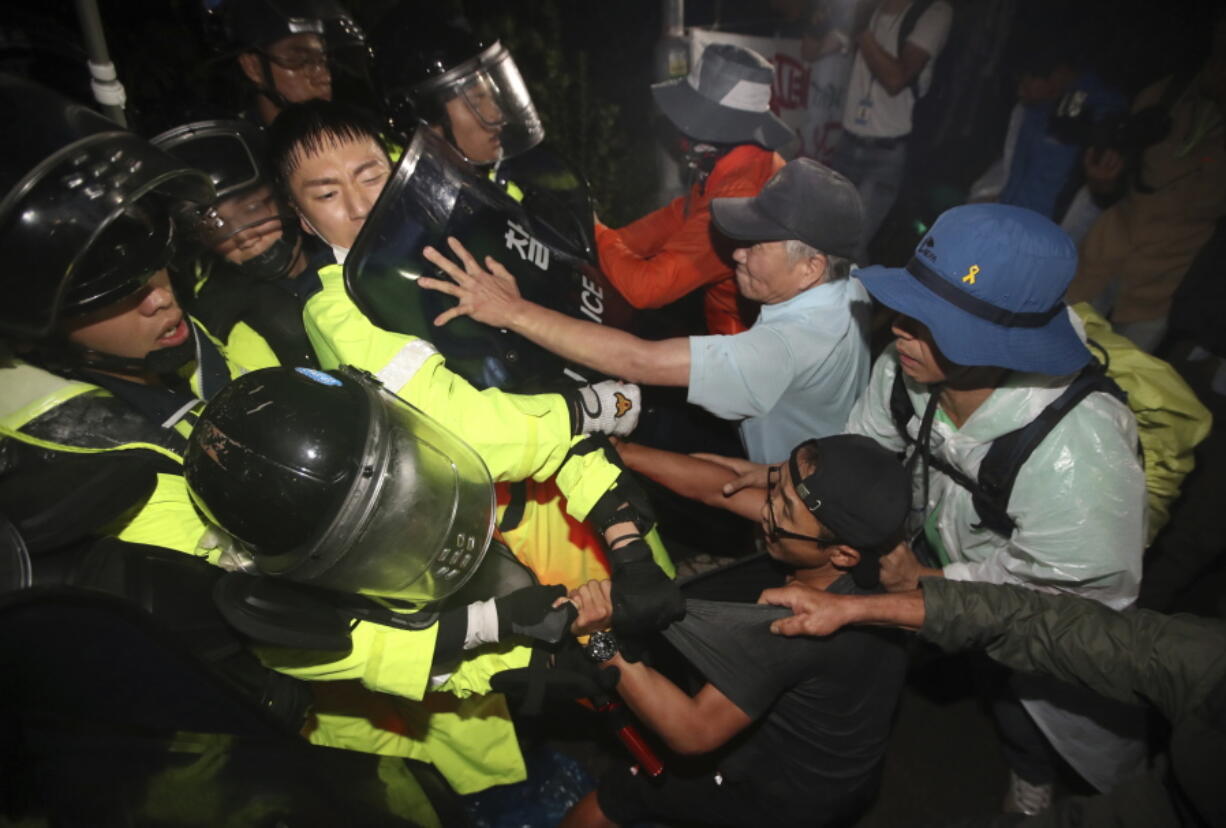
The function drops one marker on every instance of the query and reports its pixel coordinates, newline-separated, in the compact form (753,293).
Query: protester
(728,136)
(815,718)
(795,373)
(1135,257)
(984,346)
(1177,664)
(1063,109)
(895,53)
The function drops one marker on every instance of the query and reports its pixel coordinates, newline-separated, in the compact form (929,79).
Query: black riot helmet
(325,30)
(249,223)
(327,479)
(83,219)
(438,72)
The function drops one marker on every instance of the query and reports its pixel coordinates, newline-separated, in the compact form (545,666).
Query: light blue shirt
(794,375)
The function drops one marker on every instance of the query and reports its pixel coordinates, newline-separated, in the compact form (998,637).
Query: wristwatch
(600,647)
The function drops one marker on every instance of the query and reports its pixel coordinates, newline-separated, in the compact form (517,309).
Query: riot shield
(434,193)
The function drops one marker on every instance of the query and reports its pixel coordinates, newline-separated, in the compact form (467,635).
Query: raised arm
(692,477)
(489,295)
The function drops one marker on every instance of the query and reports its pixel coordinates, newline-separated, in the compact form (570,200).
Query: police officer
(439,73)
(246,246)
(333,167)
(108,367)
(293,50)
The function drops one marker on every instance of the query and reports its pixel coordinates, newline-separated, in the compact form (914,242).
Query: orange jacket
(669,253)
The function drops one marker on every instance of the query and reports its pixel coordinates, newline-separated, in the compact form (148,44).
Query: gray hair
(837,267)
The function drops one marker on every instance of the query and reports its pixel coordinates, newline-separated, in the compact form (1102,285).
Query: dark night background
(589,65)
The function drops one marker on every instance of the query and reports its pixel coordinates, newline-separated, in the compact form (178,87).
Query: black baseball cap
(857,489)
(805,200)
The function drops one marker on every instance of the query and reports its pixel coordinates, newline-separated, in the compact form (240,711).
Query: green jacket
(1176,663)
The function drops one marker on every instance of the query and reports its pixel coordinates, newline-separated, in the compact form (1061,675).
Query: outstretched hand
(750,475)
(814,611)
(488,294)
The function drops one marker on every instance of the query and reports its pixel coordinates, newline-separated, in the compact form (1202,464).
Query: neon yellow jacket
(467,735)
(520,437)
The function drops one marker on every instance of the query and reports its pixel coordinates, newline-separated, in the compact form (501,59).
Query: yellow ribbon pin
(969,278)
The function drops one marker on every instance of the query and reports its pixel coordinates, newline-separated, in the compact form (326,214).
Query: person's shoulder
(742,172)
(938,13)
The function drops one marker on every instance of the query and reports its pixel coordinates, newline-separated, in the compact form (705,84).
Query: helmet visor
(488,106)
(244,225)
(419,517)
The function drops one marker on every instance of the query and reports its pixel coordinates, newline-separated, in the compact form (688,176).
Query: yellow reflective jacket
(467,735)
(520,437)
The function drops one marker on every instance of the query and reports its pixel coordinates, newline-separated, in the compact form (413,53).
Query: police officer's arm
(491,296)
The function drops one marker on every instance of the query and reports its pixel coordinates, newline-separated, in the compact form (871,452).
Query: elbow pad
(625,500)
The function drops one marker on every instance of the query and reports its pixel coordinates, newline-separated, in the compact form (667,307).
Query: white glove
(610,407)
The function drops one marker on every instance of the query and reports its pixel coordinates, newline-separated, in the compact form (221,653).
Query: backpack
(1171,421)
(1008,453)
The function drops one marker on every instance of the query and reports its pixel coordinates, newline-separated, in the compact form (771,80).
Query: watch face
(601,647)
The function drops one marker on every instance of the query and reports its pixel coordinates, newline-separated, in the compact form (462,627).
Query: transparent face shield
(489,111)
(418,518)
(250,228)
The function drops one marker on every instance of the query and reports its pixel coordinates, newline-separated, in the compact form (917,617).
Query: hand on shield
(488,294)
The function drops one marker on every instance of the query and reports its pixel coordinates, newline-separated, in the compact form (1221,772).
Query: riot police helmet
(83,209)
(327,479)
(440,73)
(249,224)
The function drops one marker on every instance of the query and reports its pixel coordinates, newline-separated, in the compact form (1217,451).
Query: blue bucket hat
(989,280)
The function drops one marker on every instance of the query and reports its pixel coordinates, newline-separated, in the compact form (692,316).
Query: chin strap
(64,355)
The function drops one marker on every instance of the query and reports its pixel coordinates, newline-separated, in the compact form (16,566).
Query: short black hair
(308,128)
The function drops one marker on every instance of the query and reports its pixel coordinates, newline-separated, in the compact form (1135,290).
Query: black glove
(529,612)
(644,598)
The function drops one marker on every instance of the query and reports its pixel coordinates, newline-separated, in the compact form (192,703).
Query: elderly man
(795,374)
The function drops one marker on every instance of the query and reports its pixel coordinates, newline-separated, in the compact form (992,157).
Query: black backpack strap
(910,17)
(1007,454)
(901,407)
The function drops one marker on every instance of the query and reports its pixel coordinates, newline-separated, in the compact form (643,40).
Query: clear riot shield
(434,193)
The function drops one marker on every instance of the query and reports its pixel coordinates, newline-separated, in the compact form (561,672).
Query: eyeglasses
(310,61)
(773,531)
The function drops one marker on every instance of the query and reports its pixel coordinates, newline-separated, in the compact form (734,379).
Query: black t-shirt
(822,706)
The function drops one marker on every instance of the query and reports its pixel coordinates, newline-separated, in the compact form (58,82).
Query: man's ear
(844,556)
(303,223)
(815,268)
(249,62)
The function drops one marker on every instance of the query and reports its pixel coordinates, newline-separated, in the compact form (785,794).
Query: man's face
(765,274)
(146,321)
(472,115)
(299,68)
(257,214)
(334,190)
(918,355)
(784,510)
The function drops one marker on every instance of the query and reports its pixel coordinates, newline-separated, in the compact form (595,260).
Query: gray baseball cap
(725,99)
(805,200)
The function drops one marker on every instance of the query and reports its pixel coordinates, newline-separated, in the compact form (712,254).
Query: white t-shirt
(870,110)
